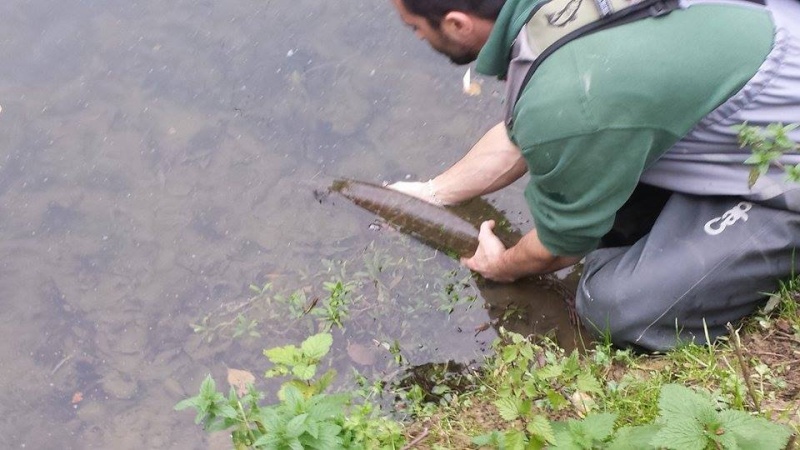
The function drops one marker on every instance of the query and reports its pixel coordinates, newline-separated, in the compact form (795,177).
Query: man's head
(455,28)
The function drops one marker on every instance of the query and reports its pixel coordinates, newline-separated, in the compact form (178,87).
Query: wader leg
(706,258)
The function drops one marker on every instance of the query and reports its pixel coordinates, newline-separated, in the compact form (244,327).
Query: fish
(433,225)
(441,228)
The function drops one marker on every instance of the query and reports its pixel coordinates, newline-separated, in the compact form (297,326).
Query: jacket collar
(496,53)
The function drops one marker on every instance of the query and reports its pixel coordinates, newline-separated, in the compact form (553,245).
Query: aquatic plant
(304,418)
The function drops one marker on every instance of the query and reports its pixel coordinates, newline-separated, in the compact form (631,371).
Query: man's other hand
(488,258)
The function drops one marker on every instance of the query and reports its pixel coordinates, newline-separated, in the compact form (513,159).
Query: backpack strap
(608,19)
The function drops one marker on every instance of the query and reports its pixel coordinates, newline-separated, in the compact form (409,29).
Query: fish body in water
(431,224)
(445,230)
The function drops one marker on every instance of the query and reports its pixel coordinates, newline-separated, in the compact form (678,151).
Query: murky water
(157,158)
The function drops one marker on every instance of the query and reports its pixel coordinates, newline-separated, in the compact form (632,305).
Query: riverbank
(742,392)
(532,394)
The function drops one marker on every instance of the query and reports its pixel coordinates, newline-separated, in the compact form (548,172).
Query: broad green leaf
(564,440)
(486,439)
(507,407)
(686,414)
(634,438)
(754,433)
(268,441)
(681,434)
(296,426)
(292,397)
(549,371)
(557,401)
(586,382)
(598,427)
(326,406)
(228,412)
(286,355)
(304,372)
(539,426)
(515,440)
(509,354)
(317,346)
(679,402)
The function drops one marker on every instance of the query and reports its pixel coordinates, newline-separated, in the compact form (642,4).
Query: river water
(159,158)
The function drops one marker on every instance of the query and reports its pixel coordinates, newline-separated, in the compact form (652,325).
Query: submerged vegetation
(739,393)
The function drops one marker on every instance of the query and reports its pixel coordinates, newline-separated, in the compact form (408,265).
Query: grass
(754,369)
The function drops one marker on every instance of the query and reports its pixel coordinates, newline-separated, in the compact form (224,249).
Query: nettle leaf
(286,355)
(304,372)
(483,440)
(317,346)
(549,371)
(507,407)
(557,401)
(634,438)
(515,440)
(686,416)
(540,427)
(293,399)
(296,426)
(329,436)
(564,439)
(754,433)
(598,427)
(509,354)
(686,434)
(327,406)
(588,383)
(679,402)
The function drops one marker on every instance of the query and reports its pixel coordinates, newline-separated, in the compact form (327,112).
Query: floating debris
(471,88)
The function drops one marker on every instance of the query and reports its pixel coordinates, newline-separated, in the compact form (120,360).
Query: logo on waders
(717,225)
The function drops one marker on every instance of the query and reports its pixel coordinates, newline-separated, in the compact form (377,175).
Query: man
(627,134)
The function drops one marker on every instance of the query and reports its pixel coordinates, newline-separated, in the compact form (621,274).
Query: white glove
(422,190)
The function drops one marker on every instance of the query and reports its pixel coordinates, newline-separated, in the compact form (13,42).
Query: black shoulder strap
(641,10)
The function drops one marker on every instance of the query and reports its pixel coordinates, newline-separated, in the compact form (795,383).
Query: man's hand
(488,258)
(422,190)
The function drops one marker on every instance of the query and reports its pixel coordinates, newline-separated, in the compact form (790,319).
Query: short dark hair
(435,10)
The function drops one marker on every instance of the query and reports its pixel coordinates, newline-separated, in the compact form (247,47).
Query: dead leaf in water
(361,354)
(77,397)
(240,380)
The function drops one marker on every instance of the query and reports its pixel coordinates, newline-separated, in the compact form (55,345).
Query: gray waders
(706,261)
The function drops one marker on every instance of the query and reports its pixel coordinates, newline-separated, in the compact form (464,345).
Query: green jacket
(603,108)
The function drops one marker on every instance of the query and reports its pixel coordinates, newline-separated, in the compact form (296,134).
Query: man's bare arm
(492,163)
(527,257)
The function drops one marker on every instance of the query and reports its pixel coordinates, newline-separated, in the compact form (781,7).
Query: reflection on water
(155,159)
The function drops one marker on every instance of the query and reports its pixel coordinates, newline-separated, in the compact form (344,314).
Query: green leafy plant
(687,420)
(301,362)
(768,145)
(305,417)
(336,308)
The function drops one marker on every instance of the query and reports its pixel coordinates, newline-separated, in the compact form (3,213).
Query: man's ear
(457,24)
